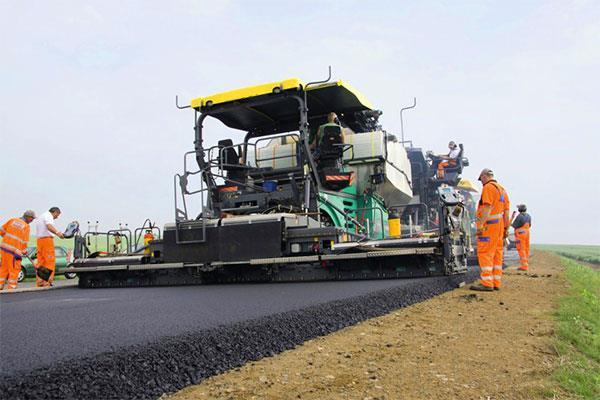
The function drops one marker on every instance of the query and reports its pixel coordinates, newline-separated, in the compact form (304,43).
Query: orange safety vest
(16,235)
(506,204)
(495,195)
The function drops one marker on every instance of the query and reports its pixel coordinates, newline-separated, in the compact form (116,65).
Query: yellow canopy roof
(247,92)
(244,109)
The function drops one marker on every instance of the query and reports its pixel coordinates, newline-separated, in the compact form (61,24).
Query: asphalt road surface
(38,329)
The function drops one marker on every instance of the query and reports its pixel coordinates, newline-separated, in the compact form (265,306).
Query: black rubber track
(150,370)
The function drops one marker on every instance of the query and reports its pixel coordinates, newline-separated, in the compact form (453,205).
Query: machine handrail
(108,234)
(115,232)
(420,205)
(137,237)
(270,138)
(181,216)
(379,209)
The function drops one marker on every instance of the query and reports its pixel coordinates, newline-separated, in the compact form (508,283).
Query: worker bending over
(447,160)
(45,243)
(15,235)
(522,225)
(492,224)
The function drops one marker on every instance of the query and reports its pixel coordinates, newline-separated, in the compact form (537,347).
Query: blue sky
(88,123)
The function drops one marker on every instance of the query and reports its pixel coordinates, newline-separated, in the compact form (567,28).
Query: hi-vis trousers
(489,253)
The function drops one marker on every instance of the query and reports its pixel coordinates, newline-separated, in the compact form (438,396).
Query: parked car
(64,256)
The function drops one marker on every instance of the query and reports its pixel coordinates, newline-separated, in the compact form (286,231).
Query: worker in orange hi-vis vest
(499,256)
(45,243)
(522,224)
(15,235)
(490,232)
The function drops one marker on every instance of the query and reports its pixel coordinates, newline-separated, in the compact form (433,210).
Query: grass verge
(578,332)
(586,253)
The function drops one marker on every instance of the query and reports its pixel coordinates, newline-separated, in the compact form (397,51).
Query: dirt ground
(460,345)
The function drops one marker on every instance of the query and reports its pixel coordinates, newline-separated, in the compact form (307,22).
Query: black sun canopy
(274,107)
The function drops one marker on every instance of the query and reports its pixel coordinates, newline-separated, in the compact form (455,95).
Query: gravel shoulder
(461,344)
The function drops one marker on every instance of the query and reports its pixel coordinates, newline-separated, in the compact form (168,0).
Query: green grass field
(585,253)
(66,243)
(578,331)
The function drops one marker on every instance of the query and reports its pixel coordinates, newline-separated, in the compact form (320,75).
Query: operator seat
(452,174)
(331,151)
(229,161)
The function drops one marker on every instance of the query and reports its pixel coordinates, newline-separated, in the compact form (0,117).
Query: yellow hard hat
(466,184)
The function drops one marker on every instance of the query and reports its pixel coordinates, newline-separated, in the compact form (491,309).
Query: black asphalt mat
(188,352)
(38,329)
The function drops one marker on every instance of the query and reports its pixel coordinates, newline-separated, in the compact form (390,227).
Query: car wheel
(21,275)
(70,275)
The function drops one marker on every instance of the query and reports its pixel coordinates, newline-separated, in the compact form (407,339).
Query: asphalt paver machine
(288,201)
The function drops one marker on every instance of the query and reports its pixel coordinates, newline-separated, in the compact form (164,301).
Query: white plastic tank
(373,151)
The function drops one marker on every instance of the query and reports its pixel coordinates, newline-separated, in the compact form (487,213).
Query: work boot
(479,287)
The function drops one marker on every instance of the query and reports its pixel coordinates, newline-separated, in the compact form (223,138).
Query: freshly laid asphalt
(38,329)
(140,343)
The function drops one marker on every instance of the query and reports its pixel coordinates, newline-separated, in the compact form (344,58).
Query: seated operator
(447,160)
(332,120)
